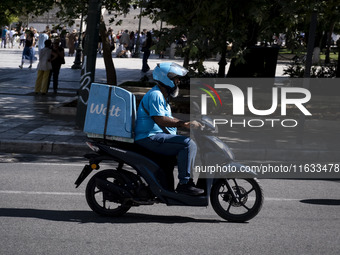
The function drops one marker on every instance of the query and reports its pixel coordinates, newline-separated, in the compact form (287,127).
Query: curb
(36,147)
(256,154)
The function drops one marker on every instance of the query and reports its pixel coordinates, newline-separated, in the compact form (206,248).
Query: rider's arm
(174,122)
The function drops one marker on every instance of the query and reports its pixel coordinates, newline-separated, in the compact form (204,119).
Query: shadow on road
(90,217)
(321,201)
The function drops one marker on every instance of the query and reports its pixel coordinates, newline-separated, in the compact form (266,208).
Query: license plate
(86,171)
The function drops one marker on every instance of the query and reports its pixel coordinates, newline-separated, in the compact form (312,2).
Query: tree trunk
(328,45)
(222,63)
(310,45)
(245,69)
(90,56)
(111,76)
(337,74)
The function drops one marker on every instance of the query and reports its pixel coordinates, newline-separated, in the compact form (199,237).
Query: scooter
(143,178)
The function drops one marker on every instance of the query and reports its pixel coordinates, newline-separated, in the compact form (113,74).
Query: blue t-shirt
(155,103)
(4,33)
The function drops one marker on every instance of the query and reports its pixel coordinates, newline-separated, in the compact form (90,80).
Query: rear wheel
(103,202)
(248,202)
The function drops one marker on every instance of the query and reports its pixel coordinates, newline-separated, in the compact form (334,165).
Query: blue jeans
(28,54)
(173,145)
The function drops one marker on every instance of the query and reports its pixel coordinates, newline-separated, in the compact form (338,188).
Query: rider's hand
(192,124)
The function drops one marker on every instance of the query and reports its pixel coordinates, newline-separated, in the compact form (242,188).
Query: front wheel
(103,202)
(237,200)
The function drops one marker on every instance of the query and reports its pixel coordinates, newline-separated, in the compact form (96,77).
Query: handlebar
(207,125)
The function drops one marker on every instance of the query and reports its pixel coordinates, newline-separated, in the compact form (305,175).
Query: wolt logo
(239,101)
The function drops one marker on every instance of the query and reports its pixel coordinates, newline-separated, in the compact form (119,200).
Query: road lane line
(50,164)
(82,194)
(40,193)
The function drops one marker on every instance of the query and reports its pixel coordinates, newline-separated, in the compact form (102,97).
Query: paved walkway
(27,126)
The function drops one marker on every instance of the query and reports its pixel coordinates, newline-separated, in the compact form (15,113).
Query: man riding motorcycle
(156,128)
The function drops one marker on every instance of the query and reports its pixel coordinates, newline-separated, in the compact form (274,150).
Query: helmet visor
(176,70)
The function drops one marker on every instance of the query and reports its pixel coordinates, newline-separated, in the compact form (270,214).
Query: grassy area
(285,51)
(333,56)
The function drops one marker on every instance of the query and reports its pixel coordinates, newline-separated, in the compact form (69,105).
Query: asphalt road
(42,213)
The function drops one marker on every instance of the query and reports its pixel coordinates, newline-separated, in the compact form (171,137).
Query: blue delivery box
(111,113)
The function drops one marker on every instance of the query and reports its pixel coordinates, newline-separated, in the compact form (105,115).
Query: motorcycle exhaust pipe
(107,186)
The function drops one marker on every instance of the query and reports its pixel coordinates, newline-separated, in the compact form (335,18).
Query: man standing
(72,39)
(41,41)
(12,35)
(4,36)
(57,59)
(125,38)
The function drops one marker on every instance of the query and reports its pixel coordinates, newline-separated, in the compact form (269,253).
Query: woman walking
(28,52)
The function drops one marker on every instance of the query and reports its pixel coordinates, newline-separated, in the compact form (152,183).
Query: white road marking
(22,192)
(53,164)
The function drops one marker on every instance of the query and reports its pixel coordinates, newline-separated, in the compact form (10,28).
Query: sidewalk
(27,126)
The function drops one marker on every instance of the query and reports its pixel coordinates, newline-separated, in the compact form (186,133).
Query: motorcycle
(143,178)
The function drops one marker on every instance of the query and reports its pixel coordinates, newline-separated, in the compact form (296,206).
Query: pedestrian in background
(36,34)
(72,39)
(4,36)
(28,52)
(57,59)
(100,44)
(121,51)
(146,49)
(132,42)
(44,68)
(41,40)
(112,39)
(125,38)
(12,35)
(63,37)
(22,38)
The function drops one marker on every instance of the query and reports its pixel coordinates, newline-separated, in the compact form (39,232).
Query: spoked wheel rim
(103,202)
(245,205)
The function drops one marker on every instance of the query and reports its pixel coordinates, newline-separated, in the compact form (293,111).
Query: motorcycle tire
(101,202)
(249,193)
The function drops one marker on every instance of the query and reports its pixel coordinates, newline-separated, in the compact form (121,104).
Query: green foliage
(68,9)
(297,70)
(7,18)
(10,9)
(209,25)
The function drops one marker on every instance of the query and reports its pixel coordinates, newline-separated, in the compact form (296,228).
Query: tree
(205,25)
(109,65)
(330,22)
(6,18)
(71,9)
(210,24)
(12,9)
(68,11)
